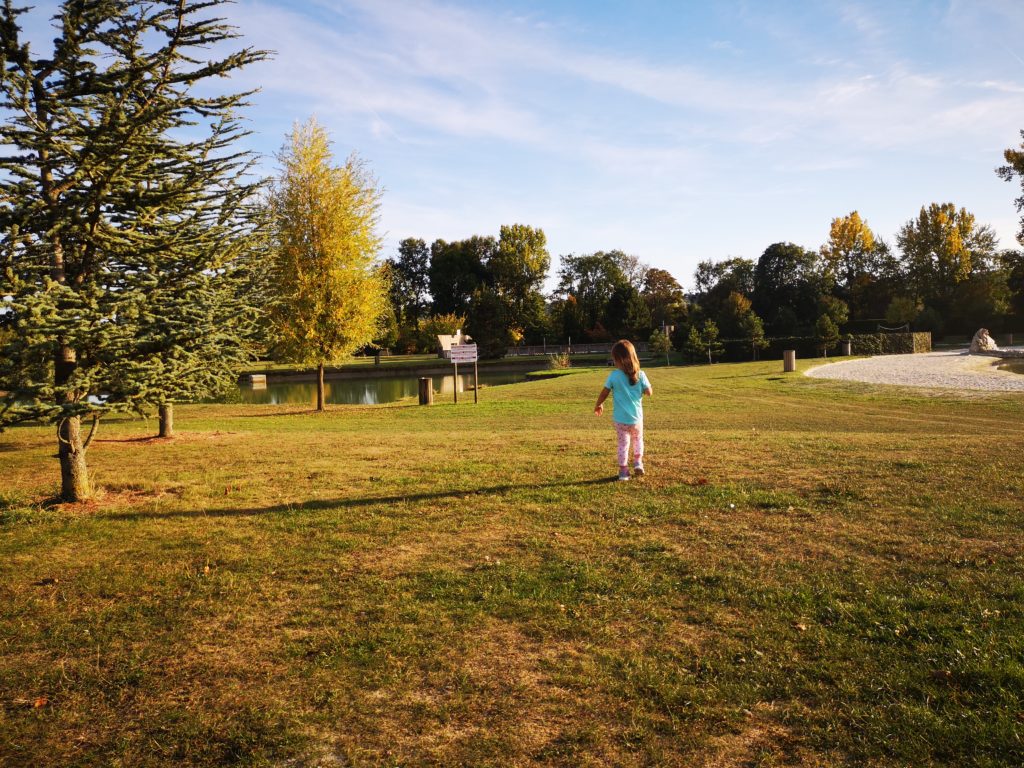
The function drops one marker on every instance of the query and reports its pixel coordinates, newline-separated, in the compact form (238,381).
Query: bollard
(847,348)
(788,360)
(426,391)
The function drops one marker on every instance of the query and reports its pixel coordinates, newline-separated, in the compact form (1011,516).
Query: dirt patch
(760,741)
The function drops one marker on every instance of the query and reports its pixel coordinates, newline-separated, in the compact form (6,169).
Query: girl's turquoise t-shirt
(627,398)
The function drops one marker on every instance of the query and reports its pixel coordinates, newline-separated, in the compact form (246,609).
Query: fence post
(788,360)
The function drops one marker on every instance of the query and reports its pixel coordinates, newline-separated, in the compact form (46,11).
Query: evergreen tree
(703,340)
(826,332)
(122,208)
(330,291)
(693,346)
(753,331)
(659,345)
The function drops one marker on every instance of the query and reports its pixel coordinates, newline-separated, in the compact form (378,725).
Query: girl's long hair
(625,359)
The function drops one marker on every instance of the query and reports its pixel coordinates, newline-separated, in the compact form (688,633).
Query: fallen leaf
(799,627)
(45,582)
(40,702)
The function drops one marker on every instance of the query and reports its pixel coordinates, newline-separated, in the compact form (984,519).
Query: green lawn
(812,573)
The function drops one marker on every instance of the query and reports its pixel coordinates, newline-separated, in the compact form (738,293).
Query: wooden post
(165,413)
(426,391)
(788,360)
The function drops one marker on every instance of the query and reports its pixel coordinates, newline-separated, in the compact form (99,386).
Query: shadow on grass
(315,505)
(140,439)
(312,411)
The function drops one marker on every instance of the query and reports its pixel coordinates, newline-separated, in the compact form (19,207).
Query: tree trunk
(320,388)
(74,475)
(165,413)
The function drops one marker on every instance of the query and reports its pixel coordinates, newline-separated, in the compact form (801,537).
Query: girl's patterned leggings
(627,432)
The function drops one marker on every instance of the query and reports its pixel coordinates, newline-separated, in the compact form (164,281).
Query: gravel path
(941,370)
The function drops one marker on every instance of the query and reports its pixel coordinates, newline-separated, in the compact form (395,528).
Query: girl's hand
(599,410)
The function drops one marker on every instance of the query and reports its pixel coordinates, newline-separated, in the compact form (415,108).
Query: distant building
(445,342)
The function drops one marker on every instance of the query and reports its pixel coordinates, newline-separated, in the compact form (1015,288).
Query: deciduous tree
(591,279)
(456,270)
(787,278)
(941,248)
(848,252)
(665,298)
(330,291)
(409,281)
(1014,168)
(518,268)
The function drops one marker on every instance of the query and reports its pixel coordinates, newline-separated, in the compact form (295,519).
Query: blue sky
(675,131)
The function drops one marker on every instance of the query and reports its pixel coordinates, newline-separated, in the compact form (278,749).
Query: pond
(1015,366)
(367,391)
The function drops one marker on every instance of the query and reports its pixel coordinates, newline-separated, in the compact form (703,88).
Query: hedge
(738,350)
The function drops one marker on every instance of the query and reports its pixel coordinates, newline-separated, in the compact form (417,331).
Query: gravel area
(955,369)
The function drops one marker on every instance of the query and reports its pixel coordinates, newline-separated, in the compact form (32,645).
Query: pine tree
(330,291)
(122,214)
(827,333)
(709,338)
(753,331)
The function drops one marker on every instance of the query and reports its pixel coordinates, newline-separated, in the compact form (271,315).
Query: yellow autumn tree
(847,253)
(329,289)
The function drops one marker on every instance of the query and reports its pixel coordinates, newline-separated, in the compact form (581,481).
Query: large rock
(982,342)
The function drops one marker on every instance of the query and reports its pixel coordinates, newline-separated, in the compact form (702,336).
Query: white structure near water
(445,342)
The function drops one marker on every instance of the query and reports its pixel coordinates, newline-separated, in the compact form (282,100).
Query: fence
(575,349)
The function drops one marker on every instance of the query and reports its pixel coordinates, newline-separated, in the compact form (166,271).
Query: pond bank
(441,368)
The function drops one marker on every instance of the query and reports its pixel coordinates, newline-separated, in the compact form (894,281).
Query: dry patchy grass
(811,574)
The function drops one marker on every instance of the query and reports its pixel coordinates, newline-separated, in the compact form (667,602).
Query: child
(628,384)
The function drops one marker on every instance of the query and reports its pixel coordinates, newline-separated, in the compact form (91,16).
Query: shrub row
(738,350)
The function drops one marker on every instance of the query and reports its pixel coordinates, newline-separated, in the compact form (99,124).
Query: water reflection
(363,391)
(1017,366)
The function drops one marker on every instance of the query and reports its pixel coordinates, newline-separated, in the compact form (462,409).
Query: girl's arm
(648,391)
(599,408)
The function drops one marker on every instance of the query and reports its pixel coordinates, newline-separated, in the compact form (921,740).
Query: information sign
(464,353)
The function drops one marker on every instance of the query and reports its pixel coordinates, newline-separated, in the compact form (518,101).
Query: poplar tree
(330,292)
(122,215)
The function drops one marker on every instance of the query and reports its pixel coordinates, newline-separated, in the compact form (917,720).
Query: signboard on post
(465,353)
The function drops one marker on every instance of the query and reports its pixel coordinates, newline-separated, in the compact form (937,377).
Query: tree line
(944,275)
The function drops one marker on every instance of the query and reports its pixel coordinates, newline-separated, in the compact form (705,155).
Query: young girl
(628,384)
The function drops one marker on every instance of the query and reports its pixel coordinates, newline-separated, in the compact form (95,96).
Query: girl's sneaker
(623,474)
(638,469)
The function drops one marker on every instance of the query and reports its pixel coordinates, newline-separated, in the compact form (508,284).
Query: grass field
(812,573)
